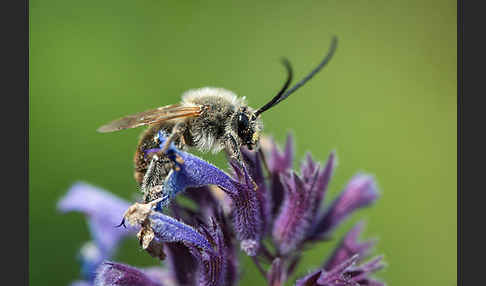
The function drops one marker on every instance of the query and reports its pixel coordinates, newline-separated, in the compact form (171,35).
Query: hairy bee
(208,119)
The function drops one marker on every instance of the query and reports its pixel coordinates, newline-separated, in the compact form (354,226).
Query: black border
(15,115)
(471,143)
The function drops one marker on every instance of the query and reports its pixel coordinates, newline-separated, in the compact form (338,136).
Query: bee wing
(151,116)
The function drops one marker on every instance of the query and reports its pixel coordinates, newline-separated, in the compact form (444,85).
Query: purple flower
(361,191)
(193,172)
(295,216)
(318,179)
(347,273)
(81,283)
(278,163)
(181,263)
(210,247)
(310,279)
(117,274)
(247,211)
(349,247)
(213,265)
(269,204)
(104,212)
(159,228)
(344,274)
(167,229)
(90,257)
(253,162)
(276,274)
(303,196)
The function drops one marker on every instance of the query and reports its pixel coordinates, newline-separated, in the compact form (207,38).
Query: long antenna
(279,97)
(272,102)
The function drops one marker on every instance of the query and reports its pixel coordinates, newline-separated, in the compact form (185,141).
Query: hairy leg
(232,148)
(160,166)
(153,181)
(177,132)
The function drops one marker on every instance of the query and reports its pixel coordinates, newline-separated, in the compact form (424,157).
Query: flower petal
(162,228)
(90,257)
(215,267)
(81,283)
(104,212)
(276,275)
(254,165)
(295,216)
(347,273)
(361,273)
(247,212)
(309,280)
(281,161)
(93,201)
(319,184)
(348,247)
(117,274)
(193,172)
(181,263)
(278,163)
(168,229)
(361,191)
(303,197)
(160,275)
(336,275)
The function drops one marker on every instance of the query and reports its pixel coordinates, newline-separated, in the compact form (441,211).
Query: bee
(207,119)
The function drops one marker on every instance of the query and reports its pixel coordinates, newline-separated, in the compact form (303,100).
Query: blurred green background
(386,103)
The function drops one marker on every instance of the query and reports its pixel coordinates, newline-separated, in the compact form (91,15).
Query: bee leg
(153,180)
(264,159)
(232,148)
(177,131)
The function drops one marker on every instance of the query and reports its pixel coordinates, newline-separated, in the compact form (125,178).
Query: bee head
(247,126)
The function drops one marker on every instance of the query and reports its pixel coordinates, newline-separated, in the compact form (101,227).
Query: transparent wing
(157,115)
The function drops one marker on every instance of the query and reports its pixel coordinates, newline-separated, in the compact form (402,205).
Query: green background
(386,103)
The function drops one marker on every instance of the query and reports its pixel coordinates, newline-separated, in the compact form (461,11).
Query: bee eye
(243,125)
(243,122)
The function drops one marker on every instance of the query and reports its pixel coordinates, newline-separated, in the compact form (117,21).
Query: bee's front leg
(233,148)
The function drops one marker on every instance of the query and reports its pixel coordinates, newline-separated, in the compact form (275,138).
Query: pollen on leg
(179,159)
